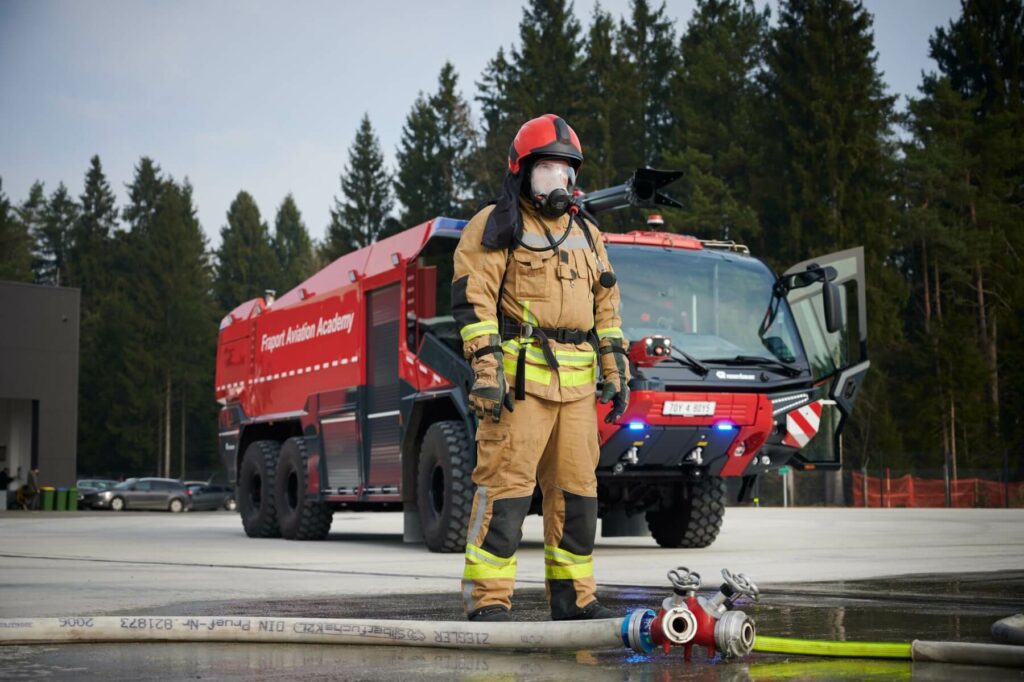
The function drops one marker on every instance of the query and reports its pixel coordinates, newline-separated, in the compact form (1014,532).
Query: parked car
(86,486)
(206,496)
(142,493)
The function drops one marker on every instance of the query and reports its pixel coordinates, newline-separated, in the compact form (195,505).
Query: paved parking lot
(103,562)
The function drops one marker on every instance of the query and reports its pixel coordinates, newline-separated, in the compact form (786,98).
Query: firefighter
(534,297)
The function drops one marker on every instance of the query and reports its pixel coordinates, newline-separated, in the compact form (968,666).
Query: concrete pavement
(105,562)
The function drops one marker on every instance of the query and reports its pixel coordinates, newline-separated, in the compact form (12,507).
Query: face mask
(550,183)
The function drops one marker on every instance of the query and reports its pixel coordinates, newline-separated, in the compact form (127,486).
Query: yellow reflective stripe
(577,377)
(574,572)
(609,333)
(562,556)
(485,556)
(528,317)
(564,357)
(566,377)
(533,372)
(488,572)
(471,331)
(482,565)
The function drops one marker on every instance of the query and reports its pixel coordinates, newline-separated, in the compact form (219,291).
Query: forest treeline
(790,141)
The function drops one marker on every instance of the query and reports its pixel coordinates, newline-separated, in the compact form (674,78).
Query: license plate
(688,408)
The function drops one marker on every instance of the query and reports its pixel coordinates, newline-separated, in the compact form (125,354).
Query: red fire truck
(349,391)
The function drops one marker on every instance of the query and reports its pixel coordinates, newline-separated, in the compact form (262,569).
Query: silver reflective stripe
(478,519)
(467,595)
(537,241)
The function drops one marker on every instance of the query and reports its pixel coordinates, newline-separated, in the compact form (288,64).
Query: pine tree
(828,173)
(964,186)
(144,194)
(15,244)
(292,245)
(361,218)
(647,45)
(500,122)
(418,184)
(53,236)
(546,64)
(603,89)
(433,156)
(89,252)
(716,136)
(31,213)
(456,141)
(246,263)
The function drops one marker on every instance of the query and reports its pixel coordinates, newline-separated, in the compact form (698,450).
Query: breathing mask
(551,184)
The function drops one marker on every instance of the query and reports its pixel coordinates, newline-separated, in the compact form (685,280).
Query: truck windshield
(709,303)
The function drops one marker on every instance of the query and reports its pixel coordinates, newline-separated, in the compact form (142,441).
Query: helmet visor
(548,175)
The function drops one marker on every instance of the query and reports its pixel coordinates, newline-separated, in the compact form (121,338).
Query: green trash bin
(62,500)
(72,499)
(46,495)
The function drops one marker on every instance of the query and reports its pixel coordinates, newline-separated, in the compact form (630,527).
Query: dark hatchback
(211,496)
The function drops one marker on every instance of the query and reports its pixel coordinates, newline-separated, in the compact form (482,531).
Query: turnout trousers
(553,444)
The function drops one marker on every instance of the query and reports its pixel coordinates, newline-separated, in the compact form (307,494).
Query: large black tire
(256,489)
(444,486)
(694,519)
(301,516)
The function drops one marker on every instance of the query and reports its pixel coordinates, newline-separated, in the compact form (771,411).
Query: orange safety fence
(911,491)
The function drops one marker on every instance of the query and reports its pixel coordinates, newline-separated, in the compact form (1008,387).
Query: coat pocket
(534,275)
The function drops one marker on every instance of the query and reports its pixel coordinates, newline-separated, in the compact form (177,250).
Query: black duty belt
(514,329)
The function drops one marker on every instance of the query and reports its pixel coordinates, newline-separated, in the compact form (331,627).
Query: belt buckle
(527,330)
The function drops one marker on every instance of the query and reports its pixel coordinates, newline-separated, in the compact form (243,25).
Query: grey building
(39,381)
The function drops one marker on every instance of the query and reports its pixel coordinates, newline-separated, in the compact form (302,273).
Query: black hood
(506,220)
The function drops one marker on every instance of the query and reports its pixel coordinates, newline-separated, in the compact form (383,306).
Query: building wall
(39,328)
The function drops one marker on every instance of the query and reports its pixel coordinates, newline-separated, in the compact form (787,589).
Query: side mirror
(833,305)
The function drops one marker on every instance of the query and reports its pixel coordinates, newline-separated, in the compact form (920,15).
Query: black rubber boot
(592,611)
(496,613)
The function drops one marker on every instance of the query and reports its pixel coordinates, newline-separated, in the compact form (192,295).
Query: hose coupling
(734,634)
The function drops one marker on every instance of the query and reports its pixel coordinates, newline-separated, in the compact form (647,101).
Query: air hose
(971,653)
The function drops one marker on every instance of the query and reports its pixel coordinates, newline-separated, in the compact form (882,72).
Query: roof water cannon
(641,190)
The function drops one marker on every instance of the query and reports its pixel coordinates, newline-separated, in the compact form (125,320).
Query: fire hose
(684,620)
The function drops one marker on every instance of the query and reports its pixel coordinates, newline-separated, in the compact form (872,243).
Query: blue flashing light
(637,426)
(725,426)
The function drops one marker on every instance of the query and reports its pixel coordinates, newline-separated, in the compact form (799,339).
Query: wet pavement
(933,607)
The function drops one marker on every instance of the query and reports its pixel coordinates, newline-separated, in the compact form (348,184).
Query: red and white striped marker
(802,424)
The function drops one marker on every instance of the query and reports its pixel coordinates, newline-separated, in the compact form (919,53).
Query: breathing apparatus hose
(970,653)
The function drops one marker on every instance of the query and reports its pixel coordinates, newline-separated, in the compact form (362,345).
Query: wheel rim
(437,490)
(176,506)
(231,505)
(117,504)
(292,493)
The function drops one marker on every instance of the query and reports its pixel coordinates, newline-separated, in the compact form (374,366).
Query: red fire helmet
(545,136)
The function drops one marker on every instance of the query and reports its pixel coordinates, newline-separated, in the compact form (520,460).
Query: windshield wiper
(757,360)
(684,358)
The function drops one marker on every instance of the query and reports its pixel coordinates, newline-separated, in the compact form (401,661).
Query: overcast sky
(266,96)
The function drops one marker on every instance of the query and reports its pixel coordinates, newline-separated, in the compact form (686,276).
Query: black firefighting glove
(615,370)
(489,392)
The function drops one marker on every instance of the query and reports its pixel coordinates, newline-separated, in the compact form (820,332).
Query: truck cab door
(838,357)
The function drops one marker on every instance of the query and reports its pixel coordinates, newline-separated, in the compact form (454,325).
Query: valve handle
(684,580)
(740,585)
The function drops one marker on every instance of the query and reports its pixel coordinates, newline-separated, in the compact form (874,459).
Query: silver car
(142,493)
